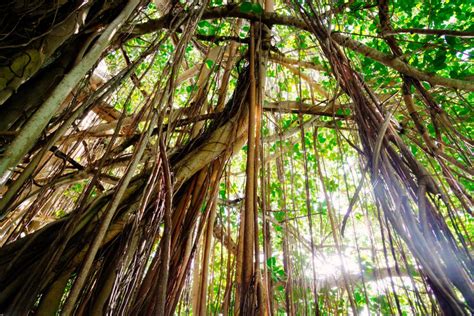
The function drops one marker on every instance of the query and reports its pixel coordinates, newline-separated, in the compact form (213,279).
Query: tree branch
(301,107)
(465,34)
(270,18)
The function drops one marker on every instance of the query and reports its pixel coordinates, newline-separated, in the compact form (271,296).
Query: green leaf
(209,63)
(206,28)
(358,297)
(451,40)
(439,60)
(321,138)
(280,216)
(249,7)
(271,262)
(191,88)
(257,8)
(322,207)
(222,191)
(204,23)
(246,7)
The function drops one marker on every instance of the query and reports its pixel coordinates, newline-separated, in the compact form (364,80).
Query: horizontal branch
(271,18)
(289,61)
(399,65)
(228,11)
(284,135)
(301,107)
(466,34)
(217,39)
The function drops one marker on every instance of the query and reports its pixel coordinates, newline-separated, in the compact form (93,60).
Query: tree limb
(270,18)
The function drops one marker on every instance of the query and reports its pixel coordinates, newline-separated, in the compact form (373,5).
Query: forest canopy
(228,157)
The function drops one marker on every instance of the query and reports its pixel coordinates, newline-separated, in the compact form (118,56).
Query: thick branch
(399,65)
(300,107)
(233,11)
(466,34)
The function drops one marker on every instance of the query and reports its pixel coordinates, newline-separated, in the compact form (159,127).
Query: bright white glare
(452,20)
(364,311)
(330,267)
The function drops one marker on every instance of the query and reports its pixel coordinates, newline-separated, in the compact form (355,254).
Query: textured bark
(25,140)
(26,63)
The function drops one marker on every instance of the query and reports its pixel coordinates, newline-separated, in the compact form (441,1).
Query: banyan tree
(229,157)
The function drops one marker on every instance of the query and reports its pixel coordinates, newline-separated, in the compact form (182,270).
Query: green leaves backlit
(249,7)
